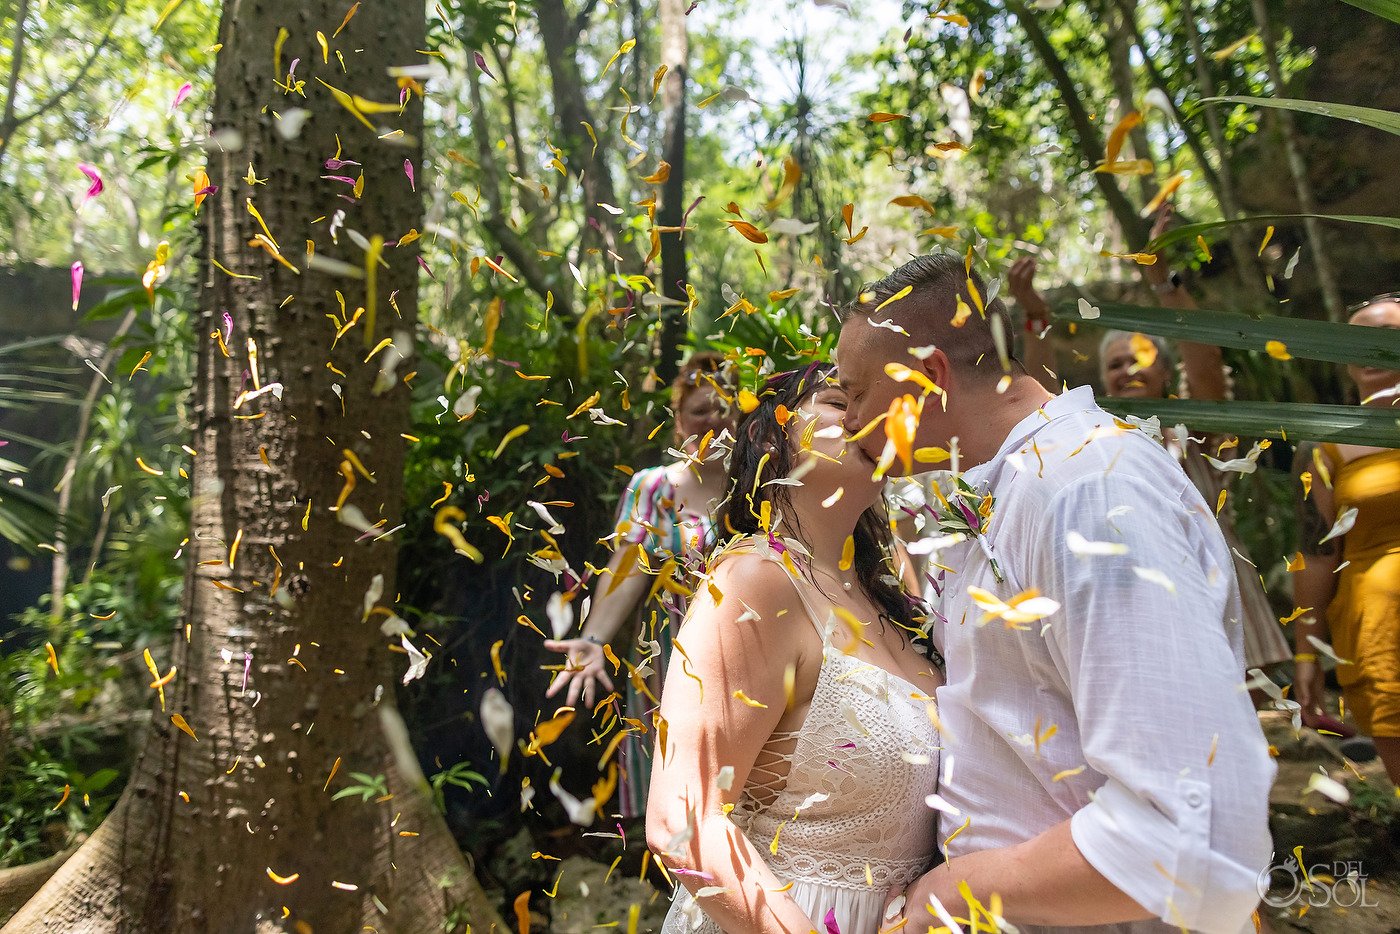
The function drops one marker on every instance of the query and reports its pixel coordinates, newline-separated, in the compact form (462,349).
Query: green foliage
(461,776)
(367,787)
(1390,9)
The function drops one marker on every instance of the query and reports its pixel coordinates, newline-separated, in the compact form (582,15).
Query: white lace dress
(860,769)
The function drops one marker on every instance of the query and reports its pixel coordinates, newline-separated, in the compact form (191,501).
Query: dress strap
(787,558)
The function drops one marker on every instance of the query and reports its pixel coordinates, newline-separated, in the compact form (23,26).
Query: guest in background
(1140,366)
(1349,584)
(665,529)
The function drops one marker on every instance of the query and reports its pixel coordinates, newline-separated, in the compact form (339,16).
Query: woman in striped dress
(665,529)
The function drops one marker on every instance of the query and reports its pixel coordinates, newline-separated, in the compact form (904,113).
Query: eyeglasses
(1373,300)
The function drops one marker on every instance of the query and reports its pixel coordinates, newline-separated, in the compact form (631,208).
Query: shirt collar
(1079,399)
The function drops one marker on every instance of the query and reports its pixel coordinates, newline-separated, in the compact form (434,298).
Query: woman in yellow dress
(1350,584)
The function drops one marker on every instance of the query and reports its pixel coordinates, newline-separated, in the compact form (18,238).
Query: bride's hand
(892,917)
(584,670)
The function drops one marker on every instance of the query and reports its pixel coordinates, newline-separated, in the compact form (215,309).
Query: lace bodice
(852,811)
(844,796)
(838,807)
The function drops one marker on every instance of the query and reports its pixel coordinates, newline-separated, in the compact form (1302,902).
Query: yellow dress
(1364,615)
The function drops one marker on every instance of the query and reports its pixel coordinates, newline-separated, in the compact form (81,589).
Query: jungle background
(848,136)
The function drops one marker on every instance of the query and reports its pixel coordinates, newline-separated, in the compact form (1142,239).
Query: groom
(1103,764)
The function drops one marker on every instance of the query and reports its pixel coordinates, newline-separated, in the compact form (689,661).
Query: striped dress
(676,542)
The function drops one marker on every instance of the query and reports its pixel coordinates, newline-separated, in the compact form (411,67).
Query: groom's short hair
(936,281)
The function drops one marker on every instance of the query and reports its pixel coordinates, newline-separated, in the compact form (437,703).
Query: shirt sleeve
(1181,822)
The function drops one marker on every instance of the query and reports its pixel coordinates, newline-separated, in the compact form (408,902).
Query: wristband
(1305,657)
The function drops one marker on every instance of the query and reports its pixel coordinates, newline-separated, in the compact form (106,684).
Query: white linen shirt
(1124,711)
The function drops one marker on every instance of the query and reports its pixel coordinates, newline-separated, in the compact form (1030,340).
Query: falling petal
(481,63)
(77,272)
(95,186)
(180,96)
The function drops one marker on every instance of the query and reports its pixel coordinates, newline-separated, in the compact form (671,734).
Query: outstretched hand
(584,673)
(1021,280)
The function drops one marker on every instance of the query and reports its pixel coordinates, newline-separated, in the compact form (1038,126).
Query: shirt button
(1195,798)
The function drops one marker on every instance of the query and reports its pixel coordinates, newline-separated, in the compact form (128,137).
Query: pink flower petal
(77,283)
(180,96)
(408,170)
(96,186)
(830,921)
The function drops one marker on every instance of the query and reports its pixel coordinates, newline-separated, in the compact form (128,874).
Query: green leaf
(1191,231)
(1348,424)
(1386,120)
(1390,9)
(1312,340)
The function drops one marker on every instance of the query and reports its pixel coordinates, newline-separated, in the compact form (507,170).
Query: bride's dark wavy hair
(749,474)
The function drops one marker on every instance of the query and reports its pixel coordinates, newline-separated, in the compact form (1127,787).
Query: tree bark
(1134,227)
(671,209)
(19,883)
(1298,168)
(280,672)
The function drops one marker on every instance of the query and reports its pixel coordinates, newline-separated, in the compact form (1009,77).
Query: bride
(795,741)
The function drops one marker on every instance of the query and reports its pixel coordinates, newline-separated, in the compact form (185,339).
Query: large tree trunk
(275,582)
(671,209)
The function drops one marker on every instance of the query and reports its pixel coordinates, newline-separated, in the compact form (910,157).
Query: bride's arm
(723,650)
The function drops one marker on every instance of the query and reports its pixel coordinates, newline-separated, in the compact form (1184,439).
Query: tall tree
(1298,168)
(1090,145)
(282,691)
(671,210)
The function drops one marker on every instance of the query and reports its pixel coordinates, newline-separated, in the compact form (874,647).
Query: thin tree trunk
(1246,258)
(1297,166)
(560,33)
(8,124)
(279,670)
(521,255)
(1135,228)
(671,210)
(58,580)
(1121,18)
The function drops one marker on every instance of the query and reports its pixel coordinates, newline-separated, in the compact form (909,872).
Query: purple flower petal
(830,921)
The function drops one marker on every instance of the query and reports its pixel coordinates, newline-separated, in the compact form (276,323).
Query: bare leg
(1388,747)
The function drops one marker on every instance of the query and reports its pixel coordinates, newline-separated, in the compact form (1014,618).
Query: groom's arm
(1045,880)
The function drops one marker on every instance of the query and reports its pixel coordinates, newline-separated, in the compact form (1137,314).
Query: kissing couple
(1072,748)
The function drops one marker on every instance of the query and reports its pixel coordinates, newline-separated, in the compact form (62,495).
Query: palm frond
(1300,337)
(1349,424)
(1386,120)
